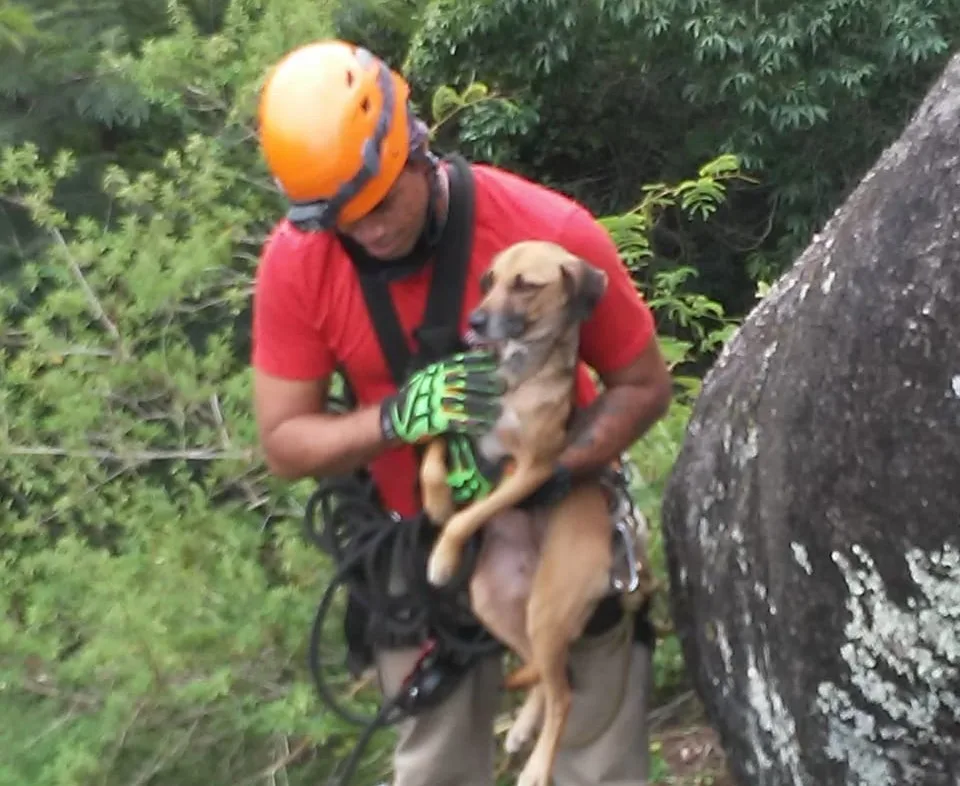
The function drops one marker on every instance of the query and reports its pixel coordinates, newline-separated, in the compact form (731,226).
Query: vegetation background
(156,591)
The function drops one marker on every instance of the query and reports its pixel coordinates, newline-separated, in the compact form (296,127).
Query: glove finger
(478,355)
(483,365)
(462,494)
(472,406)
(481,385)
(493,384)
(469,377)
(471,426)
(456,448)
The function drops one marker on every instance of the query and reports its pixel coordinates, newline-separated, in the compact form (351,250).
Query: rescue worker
(339,136)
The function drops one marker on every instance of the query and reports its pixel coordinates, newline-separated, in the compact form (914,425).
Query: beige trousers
(605,742)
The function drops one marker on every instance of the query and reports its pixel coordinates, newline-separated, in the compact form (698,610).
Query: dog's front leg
(460,527)
(437,494)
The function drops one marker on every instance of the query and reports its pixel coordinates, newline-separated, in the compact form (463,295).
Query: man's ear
(584,285)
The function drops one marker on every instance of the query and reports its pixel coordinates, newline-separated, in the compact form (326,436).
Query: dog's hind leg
(556,706)
(459,528)
(522,678)
(573,574)
(527,722)
(437,494)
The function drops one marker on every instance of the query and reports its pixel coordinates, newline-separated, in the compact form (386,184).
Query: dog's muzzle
(497,325)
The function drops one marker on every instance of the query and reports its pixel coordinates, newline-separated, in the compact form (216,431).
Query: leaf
(724,165)
(475,91)
(445,102)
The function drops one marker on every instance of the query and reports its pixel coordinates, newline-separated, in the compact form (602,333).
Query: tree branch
(287,757)
(41,686)
(91,296)
(189,454)
(254,500)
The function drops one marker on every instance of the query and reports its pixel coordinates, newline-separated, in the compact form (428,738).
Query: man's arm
(292,365)
(634,398)
(301,440)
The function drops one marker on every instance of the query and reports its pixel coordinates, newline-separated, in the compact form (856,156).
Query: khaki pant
(605,742)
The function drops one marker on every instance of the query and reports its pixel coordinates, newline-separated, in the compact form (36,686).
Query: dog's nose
(478,321)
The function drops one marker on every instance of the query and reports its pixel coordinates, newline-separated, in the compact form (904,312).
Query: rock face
(812,521)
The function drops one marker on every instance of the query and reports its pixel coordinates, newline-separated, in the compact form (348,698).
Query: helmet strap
(433,222)
(430,234)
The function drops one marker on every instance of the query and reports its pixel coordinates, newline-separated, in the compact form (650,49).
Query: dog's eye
(486,282)
(521,284)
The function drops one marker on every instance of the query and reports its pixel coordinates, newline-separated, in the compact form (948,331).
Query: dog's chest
(493,444)
(529,422)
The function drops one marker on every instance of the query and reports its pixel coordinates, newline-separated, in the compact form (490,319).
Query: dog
(540,574)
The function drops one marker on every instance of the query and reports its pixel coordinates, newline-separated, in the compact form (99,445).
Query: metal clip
(624,514)
(625,531)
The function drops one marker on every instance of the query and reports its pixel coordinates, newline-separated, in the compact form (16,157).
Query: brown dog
(539,575)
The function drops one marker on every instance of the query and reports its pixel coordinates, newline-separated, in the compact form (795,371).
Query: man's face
(391,229)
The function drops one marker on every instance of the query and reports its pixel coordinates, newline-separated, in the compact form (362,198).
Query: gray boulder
(812,520)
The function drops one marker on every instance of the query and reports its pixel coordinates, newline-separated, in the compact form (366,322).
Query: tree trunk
(812,520)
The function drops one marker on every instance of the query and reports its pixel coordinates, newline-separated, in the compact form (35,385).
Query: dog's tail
(522,678)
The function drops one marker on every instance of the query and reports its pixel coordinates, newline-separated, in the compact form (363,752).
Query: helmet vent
(365,104)
(349,78)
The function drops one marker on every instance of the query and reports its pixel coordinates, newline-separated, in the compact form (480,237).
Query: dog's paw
(517,739)
(527,722)
(533,773)
(442,564)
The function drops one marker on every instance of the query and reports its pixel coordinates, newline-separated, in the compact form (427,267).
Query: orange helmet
(334,130)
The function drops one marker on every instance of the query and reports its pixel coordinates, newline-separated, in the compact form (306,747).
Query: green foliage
(17,27)
(692,325)
(383,26)
(139,594)
(616,93)
(155,591)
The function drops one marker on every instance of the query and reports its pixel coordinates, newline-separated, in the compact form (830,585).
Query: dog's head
(535,288)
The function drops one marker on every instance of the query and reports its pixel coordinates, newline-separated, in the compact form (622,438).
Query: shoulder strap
(438,334)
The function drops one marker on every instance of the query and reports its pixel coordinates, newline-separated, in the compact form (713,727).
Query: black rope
(344,519)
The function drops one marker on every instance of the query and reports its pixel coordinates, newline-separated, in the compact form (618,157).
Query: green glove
(469,475)
(458,395)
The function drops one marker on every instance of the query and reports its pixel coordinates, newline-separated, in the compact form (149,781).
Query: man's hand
(469,476)
(459,395)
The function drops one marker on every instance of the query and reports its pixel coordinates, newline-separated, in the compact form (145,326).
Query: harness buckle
(625,531)
(627,521)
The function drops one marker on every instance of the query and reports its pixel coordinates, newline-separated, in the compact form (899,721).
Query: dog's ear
(584,285)
(486,281)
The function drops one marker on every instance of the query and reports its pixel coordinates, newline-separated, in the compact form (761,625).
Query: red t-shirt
(309,313)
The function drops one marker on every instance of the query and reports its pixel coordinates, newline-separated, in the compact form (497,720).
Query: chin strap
(425,247)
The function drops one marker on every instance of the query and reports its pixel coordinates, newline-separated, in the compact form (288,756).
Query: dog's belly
(503,577)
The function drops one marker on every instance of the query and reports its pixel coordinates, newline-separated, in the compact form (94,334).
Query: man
(342,143)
